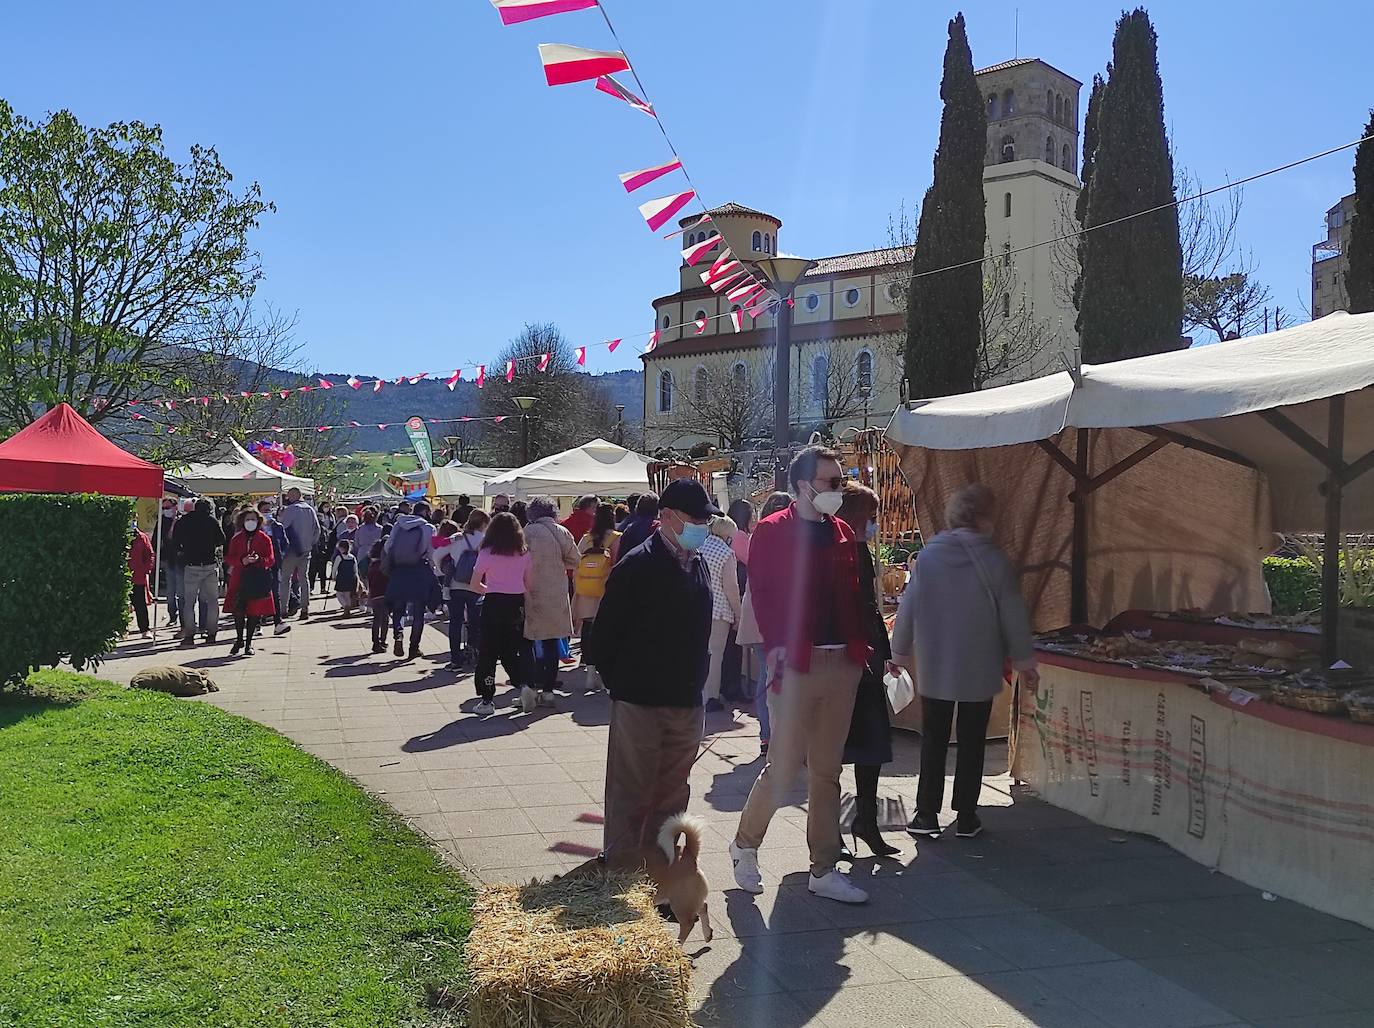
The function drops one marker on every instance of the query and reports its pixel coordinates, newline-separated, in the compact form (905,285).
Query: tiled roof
(732,208)
(1008,64)
(864,260)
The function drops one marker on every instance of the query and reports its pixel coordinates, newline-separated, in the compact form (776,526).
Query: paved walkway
(1046,920)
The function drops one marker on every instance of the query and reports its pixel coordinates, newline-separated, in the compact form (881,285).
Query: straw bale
(575,953)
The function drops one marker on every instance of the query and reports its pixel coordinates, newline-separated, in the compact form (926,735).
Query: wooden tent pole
(1078,566)
(1331,544)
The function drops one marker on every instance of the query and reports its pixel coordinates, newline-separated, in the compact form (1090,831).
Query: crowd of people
(668,595)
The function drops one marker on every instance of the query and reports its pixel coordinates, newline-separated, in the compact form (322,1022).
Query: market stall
(457,479)
(1157,483)
(598,466)
(379,492)
(233,471)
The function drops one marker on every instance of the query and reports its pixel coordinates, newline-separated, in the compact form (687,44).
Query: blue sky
(433,194)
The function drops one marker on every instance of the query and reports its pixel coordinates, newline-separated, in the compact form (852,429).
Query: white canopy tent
(1293,406)
(595,467)
(377,492)
(235,471)
(457,479)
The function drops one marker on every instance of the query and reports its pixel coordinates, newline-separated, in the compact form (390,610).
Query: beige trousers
(720,634)
(809,717)
(649,757)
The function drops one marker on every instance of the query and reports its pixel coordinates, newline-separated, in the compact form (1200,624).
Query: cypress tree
(1080,210)
(943,309)
(1131,299)
(1359,274)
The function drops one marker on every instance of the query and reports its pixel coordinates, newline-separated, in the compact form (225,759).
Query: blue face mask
(692,536)
(871,532)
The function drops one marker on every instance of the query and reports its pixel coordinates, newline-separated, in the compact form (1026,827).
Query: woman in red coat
(249,594)
(140,568)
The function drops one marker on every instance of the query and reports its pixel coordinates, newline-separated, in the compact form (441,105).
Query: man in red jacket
(579,522)
(804,580)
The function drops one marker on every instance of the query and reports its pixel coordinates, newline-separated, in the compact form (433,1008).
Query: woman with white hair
(548,612)
(963,618)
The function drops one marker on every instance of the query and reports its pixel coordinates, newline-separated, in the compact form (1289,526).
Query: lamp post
(783,274)
(620,424)
(525,403)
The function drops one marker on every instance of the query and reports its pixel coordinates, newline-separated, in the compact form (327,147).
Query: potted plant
(1356,615)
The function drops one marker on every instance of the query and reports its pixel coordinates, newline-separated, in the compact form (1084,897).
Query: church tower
(1032,113)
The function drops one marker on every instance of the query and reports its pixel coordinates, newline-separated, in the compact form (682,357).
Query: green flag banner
(419,438)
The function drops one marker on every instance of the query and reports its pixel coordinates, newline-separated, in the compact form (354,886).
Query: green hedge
(64,579)
(1294,584)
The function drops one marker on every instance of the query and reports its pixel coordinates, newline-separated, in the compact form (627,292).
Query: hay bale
(177,680)
(583,953)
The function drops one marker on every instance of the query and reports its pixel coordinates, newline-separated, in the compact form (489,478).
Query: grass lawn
(163,863)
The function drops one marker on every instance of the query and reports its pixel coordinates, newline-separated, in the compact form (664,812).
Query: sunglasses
(833,484)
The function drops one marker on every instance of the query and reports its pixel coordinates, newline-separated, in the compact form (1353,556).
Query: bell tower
(1033,113)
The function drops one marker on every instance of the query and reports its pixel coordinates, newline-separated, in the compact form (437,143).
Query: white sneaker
(485,709)
(836,886)
(529,699)
(746,863)
(281,629)
(546,699)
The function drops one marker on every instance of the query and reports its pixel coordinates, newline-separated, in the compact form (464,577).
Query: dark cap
(689,496)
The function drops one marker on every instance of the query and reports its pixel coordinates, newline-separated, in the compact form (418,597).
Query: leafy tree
(1131,298)
(942,310)
(126,276)
(1359,275)
(1080,210)
(1229,306)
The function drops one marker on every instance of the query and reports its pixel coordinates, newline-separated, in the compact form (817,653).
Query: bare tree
(1229,306)
(733,406)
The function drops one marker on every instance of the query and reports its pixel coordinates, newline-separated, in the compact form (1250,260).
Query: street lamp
(525,403)
(620,424)
(783,274)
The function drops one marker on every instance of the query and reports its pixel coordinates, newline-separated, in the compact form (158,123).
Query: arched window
(1067,165)
(692,237)
(665,392)
(1068,112)
(758,241)
(992,107)
(1006,254)
(699,317)
(1059,107)
(1006,305)
(1049,102)
(863,369)
(739,374)
(1006,205)
(1049,149)
(768,242)
(1008,149)
(1008,103)
(700,386)
(820,374)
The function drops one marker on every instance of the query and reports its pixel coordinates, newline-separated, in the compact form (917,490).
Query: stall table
(1279,798)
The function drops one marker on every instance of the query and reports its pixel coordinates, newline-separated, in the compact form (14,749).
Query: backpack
(466,564)
(592,571)
(408,548)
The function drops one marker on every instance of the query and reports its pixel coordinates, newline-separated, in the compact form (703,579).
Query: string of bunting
(279,429)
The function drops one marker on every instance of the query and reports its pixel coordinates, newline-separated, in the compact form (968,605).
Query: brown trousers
(809,720)
(648,758)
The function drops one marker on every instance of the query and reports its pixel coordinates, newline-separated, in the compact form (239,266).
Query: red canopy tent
(62,453)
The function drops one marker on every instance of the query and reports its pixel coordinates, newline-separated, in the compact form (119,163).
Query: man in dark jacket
(642,523)
(653,630)
(197,538)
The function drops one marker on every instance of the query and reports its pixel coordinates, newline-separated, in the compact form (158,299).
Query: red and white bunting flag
(751,296)
(716,272)
(170,404)
(510,371)
(611,87)
(326,384)
(377,386)
(761,305)
(499,418)
(544,361)
(381,426)
(737,319)
(453,379)
(400,380)
(415,378)
(700,324)
(687,228)
(136,416)
(285,393)
(245,395)
(226,398)
(355,424)
(722,259)
(633,180)
(660,211)
(323,428)
(791,302)
(723,283)
(433,421)
(697,251)
(513,12)
(305,389)
(481,375)
(742,289)
(264,394)
(277,428)
(355,382)
(581,353)
(653,341)
(565,64)
(610,347)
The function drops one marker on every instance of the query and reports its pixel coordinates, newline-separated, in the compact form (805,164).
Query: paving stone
(1127,995)
(1031,940)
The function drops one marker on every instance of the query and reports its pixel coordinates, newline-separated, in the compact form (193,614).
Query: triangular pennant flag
(285,393)
(698,250)
(737,319)
(377,386)
(326,384)
(701,324)
(205,401)
(400,380)
(718,270)
(721,260)
(481,375)
(611,87)
(565,64)
(761,305)
(170,404)
(355,424)
(323,428)
(356,383)
(510,371)
(660,211)
(381,426)
(791,302)
(453,379)
(305,389)
(687,228)
(136,416)
(755,291)
(741,290)
(415,378)
(544,361)
(513,12)
(581,353)
(633,180)
(226,398)
(653,341)
(717,284)
(245,395)
(499,418)
(278,428)
(610,347)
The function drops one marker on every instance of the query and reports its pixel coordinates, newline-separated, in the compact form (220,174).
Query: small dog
(674,871)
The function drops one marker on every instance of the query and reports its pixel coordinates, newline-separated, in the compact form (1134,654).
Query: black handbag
(255,582)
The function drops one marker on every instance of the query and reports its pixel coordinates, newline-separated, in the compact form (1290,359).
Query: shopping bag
(900,691)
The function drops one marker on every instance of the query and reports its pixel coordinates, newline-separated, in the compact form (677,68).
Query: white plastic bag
(900,690)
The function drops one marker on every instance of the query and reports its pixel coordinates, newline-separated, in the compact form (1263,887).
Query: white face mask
(827,502)
(250,525)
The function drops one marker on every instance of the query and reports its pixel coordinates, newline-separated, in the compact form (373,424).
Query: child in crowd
(376,592)
(346,577)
